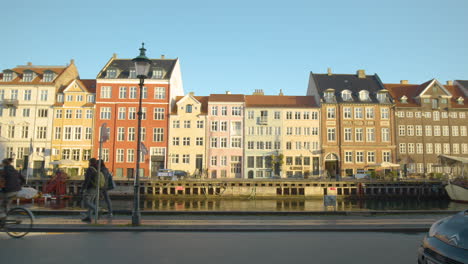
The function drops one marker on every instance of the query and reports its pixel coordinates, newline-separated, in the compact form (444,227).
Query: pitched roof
(226,98)
(39,70)
(202,99)
(279,101)
(89,84)
(124,65)
(351,82)
(463,83)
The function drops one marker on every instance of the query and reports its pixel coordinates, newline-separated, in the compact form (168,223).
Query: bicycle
(18,222)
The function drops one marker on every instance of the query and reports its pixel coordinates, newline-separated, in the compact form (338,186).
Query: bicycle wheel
(19,222)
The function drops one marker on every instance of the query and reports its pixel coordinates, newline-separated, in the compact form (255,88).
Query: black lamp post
(142,66)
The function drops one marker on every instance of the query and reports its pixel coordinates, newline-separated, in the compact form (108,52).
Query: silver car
(446,242)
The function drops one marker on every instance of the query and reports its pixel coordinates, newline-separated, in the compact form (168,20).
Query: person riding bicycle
(12,185)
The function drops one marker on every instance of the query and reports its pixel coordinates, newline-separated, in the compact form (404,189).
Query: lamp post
(142,66)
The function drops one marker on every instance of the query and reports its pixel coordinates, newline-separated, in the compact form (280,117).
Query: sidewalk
(240,223)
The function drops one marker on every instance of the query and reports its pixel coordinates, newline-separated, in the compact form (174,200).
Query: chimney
(281,92)
(29,63)
(258,92)
(228,92)
(114,56)
(192,93)
(404,82)
(163,56)
(329,70)
(72,61)
(361,74)
(449,82)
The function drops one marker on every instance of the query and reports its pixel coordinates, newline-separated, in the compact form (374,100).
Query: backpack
(102,180)
(110,181)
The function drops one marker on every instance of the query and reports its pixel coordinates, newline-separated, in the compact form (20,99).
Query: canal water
(283,205)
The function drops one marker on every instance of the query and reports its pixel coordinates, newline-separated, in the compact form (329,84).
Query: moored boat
(457,192)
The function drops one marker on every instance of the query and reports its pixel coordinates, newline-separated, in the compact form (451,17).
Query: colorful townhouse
(73,123)
(117,95)
(225,133)
(431,120)
(187,134)
(357,122)
(27,97)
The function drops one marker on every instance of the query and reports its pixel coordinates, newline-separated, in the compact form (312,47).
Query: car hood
(454,230)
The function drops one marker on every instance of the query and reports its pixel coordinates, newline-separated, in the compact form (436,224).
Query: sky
(240,46)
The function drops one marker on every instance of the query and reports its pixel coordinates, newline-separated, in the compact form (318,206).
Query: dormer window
(404,99)
(346,95)
(28,76)
(60,98)
(7,76)
(48,76)
(460,100)
(328,95)
(132,74)
(111,73)
(382,97)
(364,95)
(188,108)
(157,74)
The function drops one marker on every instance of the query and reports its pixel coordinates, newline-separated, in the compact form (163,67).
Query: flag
(31,149)
(143,148)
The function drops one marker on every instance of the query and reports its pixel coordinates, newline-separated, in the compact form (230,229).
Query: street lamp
(142,66)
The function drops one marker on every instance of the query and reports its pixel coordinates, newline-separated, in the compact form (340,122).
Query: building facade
(73,123)
(187,134)
(281,136)
(117,95)
(357,122)
(431,120)
(27,95)
(225,133)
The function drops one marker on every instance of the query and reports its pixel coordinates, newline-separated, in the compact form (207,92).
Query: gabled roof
(124,65)
(39,70)
(340,82)
(202,99)
(463,83)
(226,98)
(279,101)
(423,87)
(88,84)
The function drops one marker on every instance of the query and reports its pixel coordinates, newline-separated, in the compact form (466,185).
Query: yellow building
(72,133)
(187,134)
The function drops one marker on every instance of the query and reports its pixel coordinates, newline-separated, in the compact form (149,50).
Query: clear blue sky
(245,45)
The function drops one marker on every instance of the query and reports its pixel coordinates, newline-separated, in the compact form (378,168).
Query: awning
(453,159)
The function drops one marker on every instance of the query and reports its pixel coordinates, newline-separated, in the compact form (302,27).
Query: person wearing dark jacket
(12,185)
(108,186)
(89,191)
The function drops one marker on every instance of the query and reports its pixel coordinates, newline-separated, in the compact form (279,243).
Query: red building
(117,94)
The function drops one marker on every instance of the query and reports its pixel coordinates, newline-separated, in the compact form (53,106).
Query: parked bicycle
(18,222)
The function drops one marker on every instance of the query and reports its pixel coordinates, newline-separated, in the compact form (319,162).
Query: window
(456,149)
(436,116)
(186,141)
(429,148)
(288,145)
(370,133)
(28,76)
(133,93)
(158,134)
(132,113)
(189,108)
(120,155)
(446,148)
(223,126)
(461,115)
(400,114)
(370,157)
(236,142)
(331,112)
(11,131)
(199,141)
(384,113)
(409,114)
(41,132)
(42,112)
(298,131)
(223,142)
(122,113)
(159,113)
(418,130)
(358,113)
(26,112)
(66,154)
(387,156)
(419,148)
(464,148)
(175,141)
(106,92)
(214,160)
(111,73)
(297,115)
(236,111)
(346,95)
(411,148)
(437,148)
(386,134)
(89,133)
(67,133)
(144,92)
(417,114)
(445,131)
(214,110)
(175,158)
(14,94)
(105,113)
(44,95)
(27,95)
(331,134)
(402,148)
(277,144)
(288,115)
(428,131)
(78,114)
(455,131)
(143,134)
(314,115)
(69,98)
(214,142)
(12,112)
(79,98)
(359,156)
(348,134)
(214,125)
(24,132)
(157,74)
(364,95)
(347,113)
(159,93)
(186,158)
(369,113)
(298,145)
(90,98)
(130,155)
(7,77)
(122,92)
(175,124)
(444,115)
(348,156)
(410,130)
(199,123)
(359,134)
(250,114)
(77,133)
(131,134)
(224,110)
(76,154)
(436,131)
(463,131)
(187,124)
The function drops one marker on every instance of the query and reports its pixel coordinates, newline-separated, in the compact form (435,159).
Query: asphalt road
(211,247)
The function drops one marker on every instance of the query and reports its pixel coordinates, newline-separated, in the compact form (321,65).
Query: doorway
(331,165)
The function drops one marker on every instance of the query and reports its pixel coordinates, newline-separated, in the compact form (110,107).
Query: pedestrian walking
(12,181)
(89,189)
(107,187)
